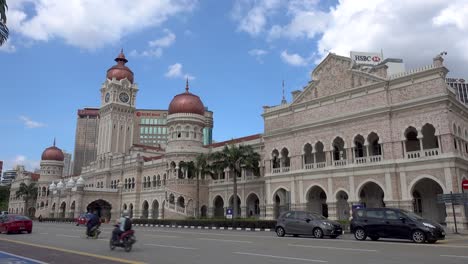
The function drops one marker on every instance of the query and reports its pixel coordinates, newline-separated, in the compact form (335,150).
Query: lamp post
(120,187)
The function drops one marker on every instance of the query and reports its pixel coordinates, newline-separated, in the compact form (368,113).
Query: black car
(394,223)
(306,223)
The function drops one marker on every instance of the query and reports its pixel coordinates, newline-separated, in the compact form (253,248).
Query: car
(3,212)
(397,223)
(12,223)
(306,223)
(82,219)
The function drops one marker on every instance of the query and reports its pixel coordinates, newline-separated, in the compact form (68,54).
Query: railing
(321,165)
(431,152)
(276,170)
(285,169)
(340,162)
(376,158)
(180,209)
(361,160)
(94,189)
(413,154)
(308,166)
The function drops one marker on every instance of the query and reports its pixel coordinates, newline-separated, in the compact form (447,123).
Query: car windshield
(411,215)
(20,217)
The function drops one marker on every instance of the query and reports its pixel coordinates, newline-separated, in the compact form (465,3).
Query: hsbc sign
(366,57)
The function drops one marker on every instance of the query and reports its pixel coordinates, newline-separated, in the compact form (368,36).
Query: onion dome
(120,71)
(52,153)
(52,186)
(186,103)
(80,182)
(70,183)
(60,185)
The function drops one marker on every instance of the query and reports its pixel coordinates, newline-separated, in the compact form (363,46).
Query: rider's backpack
(128,224)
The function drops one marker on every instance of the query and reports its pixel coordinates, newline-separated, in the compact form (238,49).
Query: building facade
(354,135)
(460,87)
(87,126)
(67,164)
(9,176)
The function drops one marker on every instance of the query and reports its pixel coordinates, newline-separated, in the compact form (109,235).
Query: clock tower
(116,114)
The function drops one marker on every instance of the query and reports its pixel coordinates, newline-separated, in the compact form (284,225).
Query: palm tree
(235,159)
(202,167)
(3,19)
(28,192)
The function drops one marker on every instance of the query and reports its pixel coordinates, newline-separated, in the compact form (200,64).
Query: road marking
(279,257)
(212,234)
(454,256)
(338,248)
(161,236)
(169,246)
(35,261)
(226,240)
(61,235)
(121,260)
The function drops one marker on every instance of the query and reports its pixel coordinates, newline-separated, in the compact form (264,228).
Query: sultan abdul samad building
(356,134)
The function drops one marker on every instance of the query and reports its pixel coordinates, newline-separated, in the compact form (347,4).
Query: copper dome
(120,71)
(186,103)
(52,153)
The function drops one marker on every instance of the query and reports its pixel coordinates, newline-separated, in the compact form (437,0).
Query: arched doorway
(317,201)
(424,194)
(280,202)
(218,207)
(101,208)
(342,206)
(130,210)
(52,211)
(231,205)
(144,210)
(155,207)
(203,211)
(253,205)
(31,212)
(190,208)
(371,195)
(63,208)
(72,210)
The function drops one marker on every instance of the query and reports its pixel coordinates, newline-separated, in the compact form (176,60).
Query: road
(66,243)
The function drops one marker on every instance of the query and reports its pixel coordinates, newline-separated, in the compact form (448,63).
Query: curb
(208,227)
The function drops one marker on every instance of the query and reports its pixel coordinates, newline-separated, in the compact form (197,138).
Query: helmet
(125,213)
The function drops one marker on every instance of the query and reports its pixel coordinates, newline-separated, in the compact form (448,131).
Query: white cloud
(252,15)
(8,47)
(156,53)
(20,159)
(175,71)
(84,24)
(165,41)
(293,59)
(258,54)
(29,123)
(401,28)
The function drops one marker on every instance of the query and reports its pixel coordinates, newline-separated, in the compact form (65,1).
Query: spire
(121,58)
(186,85)
(54,141)
(283,101)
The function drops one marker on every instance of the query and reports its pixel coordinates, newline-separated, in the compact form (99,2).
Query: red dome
(120,71)
(186,103)
(52,153)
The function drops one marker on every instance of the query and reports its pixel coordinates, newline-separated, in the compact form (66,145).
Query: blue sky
(236,54)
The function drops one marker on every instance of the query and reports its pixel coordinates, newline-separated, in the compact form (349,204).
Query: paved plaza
(66,243)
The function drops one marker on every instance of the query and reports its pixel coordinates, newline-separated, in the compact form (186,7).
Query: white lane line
(226,240)
(454,256)
(334,248)
(169,246)
(211,234)
(280,257)
(66,236)
(162,236)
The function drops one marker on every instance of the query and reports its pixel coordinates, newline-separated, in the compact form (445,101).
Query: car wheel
(431,241)
(29,231)
(418,236)
(374,238)
(360,234)
(280,231)
(318,233)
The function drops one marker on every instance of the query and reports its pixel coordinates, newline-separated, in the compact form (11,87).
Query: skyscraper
(68,164)
(87,127)
(461,88)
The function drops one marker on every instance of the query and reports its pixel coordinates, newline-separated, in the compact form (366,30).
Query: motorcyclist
(92,222)
(120,227)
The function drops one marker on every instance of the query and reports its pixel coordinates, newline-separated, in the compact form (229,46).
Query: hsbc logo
(367,58)
(376,59)
(372,58)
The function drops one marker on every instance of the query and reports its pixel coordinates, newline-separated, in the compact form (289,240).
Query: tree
(28,193)
(3,28)
(235,158)
(4,197)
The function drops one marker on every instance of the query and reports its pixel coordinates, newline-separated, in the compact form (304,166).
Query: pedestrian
(40,218)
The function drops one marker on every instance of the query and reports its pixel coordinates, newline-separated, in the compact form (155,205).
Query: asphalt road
(66,243)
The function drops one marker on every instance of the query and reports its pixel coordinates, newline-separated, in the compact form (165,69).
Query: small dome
(52,186)
(120,71)
(60,185)
(80,182)
(52,153)
(186,103)
(70,183)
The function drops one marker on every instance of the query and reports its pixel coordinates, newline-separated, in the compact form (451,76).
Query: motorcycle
(127,239)
(94,232)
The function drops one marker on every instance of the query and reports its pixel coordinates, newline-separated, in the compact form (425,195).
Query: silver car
(306,223)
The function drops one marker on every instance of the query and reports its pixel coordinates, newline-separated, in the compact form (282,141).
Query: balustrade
(308,166)
(340,162)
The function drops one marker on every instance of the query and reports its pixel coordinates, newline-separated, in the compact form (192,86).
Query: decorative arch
(218,206)
(313,185)
(420,177)
(363,183)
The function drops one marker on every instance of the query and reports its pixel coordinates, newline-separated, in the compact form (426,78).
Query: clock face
(124,97)
(107,97)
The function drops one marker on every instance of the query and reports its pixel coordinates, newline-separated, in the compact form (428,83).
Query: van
(378,223)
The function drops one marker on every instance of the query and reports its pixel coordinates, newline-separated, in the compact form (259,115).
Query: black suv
(394,223)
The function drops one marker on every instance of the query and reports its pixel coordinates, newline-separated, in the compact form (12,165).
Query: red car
(82,219)
(15,224)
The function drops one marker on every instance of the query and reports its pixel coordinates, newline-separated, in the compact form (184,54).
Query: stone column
(421,149)
(332,213)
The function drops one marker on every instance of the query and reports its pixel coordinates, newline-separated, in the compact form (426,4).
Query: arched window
(133,183)
(275,159)
(285,159)
(412,141)
(429,139)
(359,150)
(308,158)
(374,146)
(339,152)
